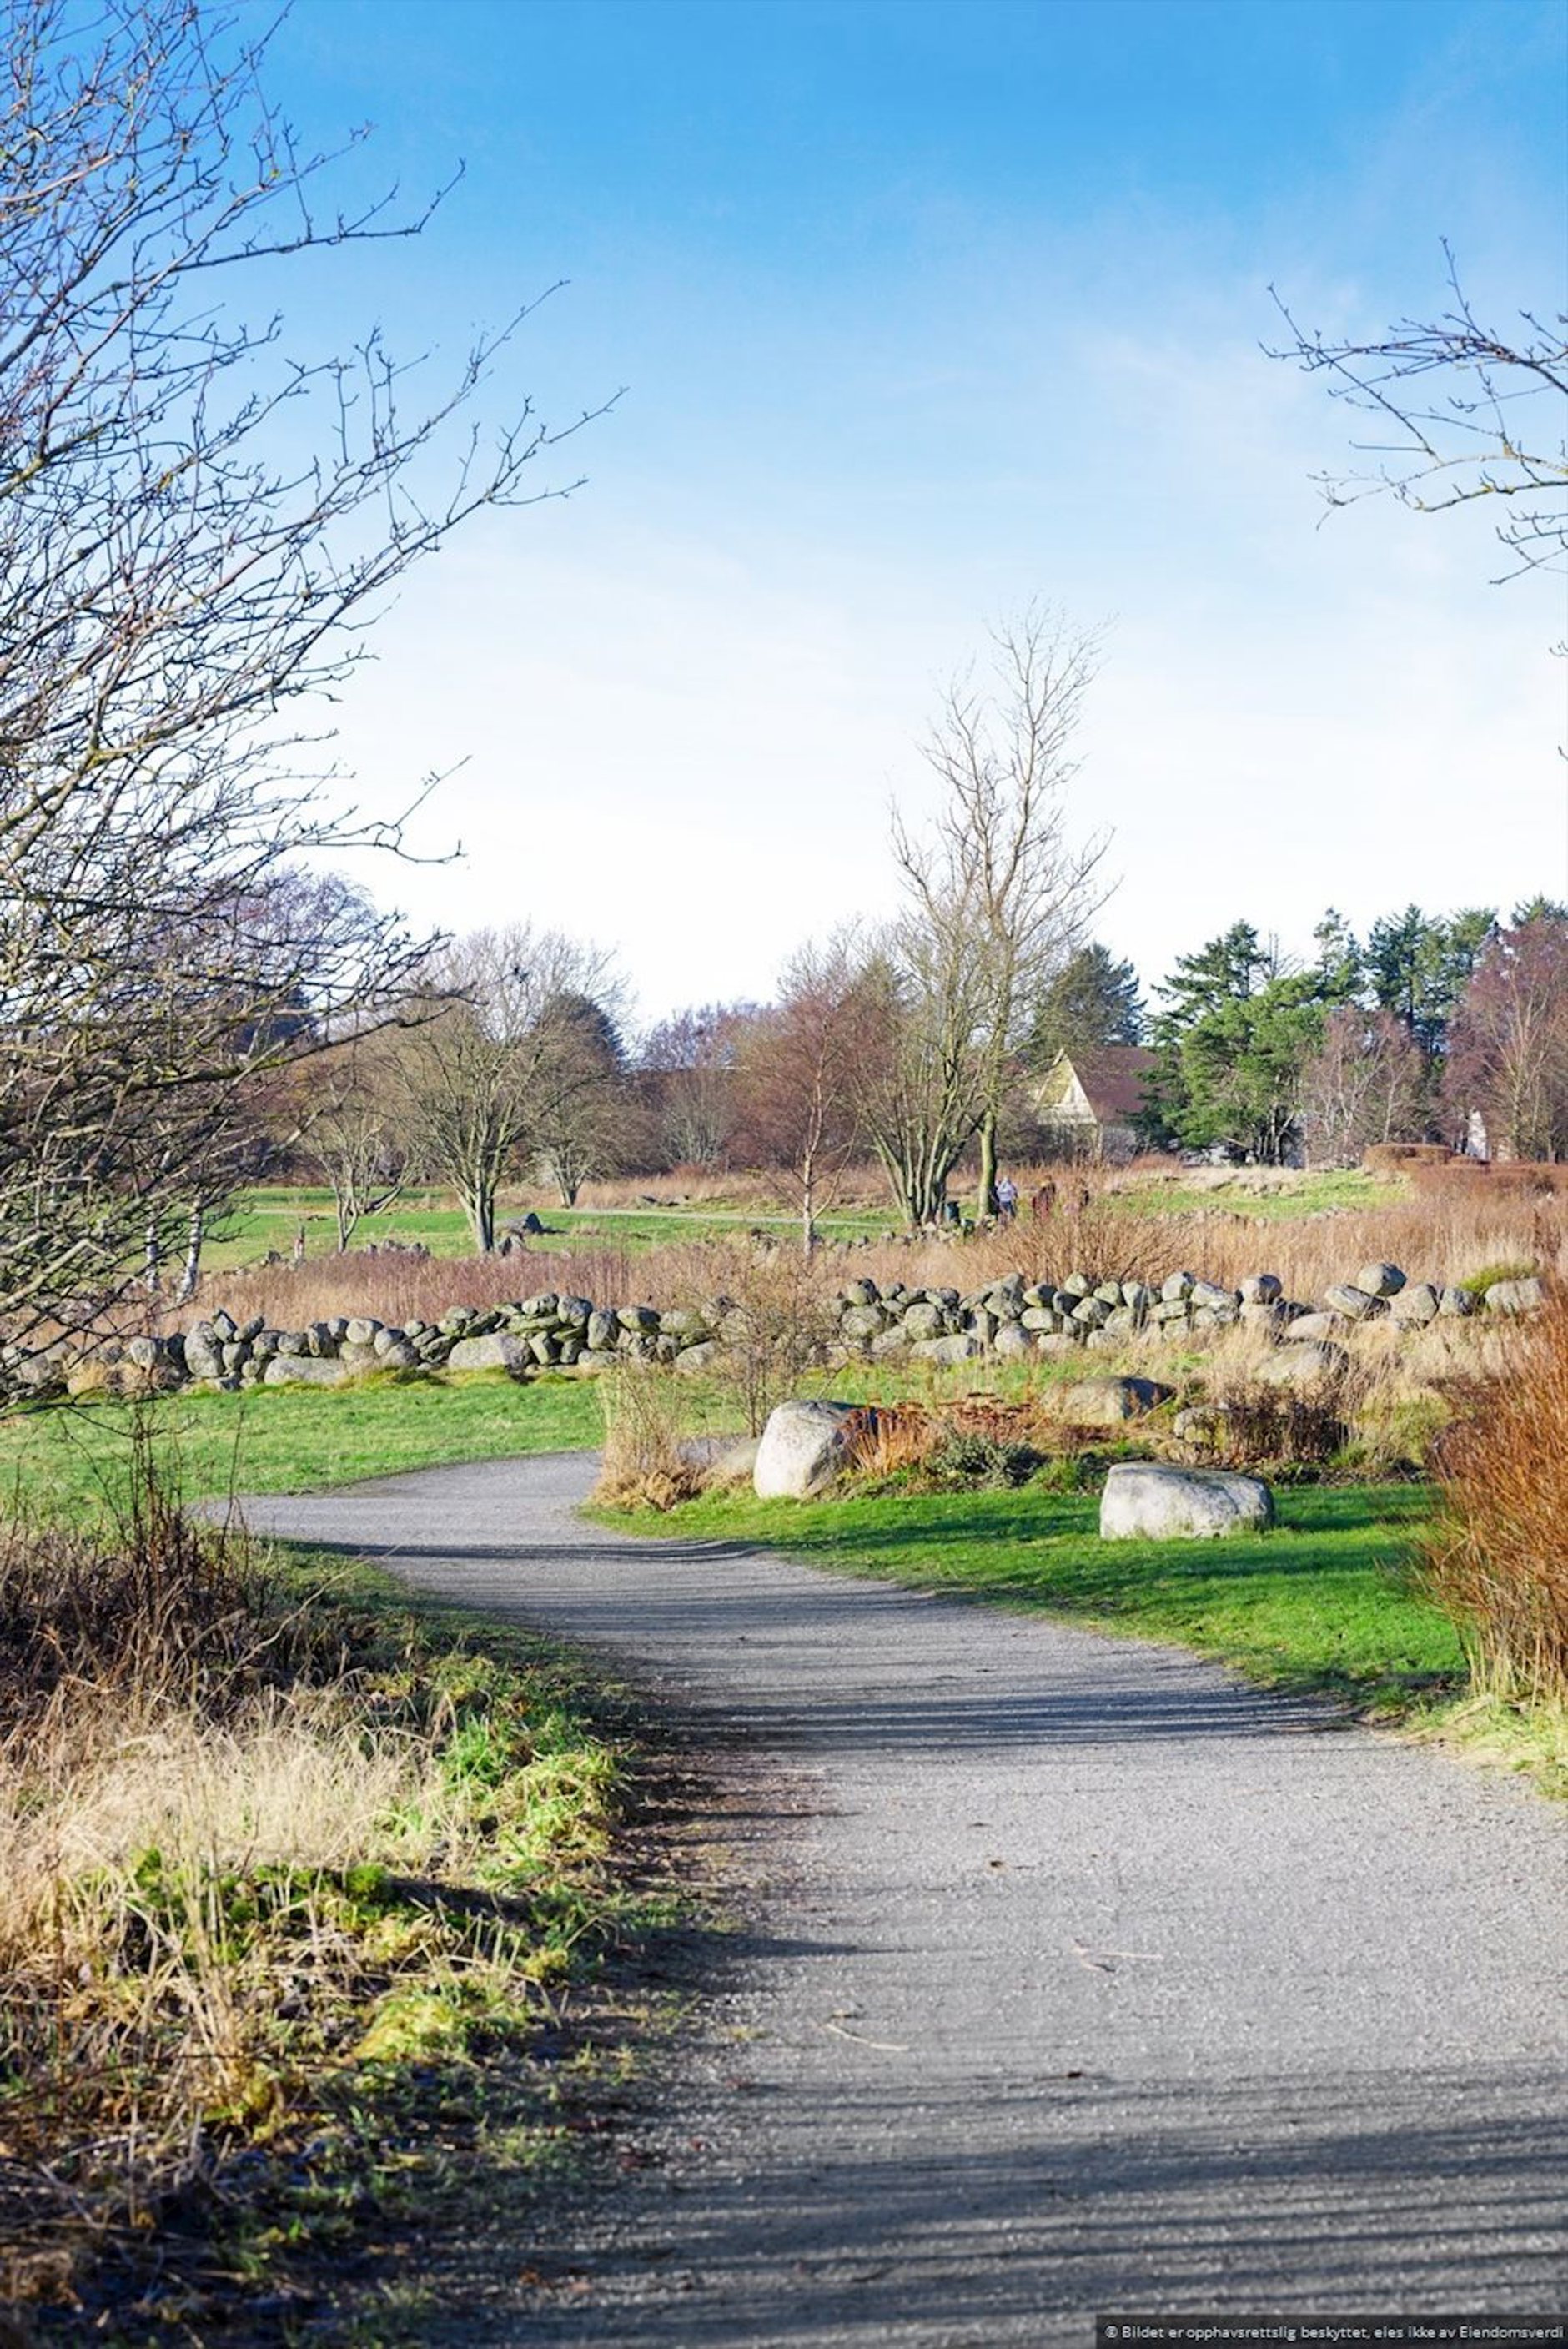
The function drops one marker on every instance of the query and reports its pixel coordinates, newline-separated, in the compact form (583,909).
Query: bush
(1497,1559)
(980,1460)
(643,1467)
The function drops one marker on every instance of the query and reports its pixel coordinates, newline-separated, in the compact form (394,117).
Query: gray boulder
(1211,1293)
(1262,1289)
(497,1351)
(1106,1402)
(694,1359)
(1356,1304)
(1306,1365)
(306,1371)
(1457,1304)
(1313,1328)
(922,1321)
(945,1352)
(804,1446)
(720,1459)
(1415,1304)
(1147,1501)
(1380,1280)
(204,1354)
(1516,1296)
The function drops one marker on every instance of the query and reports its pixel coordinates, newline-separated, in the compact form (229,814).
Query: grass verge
(318,1916)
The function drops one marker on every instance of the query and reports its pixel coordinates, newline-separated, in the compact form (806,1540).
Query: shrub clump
(1497,1560)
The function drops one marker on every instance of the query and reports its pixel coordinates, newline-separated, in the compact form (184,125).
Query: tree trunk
(479,1203)
(808,1204)
(152,1274)
(189,1279)
(347,1216)
(989,1163)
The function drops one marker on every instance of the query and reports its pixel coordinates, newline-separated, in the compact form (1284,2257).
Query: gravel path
(1086,1979)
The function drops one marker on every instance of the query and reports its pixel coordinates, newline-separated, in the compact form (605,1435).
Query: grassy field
(1263,1194)
(71,1462)
(271,1218)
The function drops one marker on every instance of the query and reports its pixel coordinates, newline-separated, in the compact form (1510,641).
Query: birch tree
(998,892)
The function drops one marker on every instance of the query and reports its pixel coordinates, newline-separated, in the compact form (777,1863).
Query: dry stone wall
(1006,1317)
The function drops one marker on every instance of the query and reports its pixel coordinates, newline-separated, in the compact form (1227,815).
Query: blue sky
(924,311)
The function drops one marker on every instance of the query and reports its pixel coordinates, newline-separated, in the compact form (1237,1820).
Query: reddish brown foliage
(1499,1559)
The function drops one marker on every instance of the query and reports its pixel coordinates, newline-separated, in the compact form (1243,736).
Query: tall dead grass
(1497,1560)
(213,1800)
(643,1467)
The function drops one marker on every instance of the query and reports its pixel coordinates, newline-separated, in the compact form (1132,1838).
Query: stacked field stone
(553,1333)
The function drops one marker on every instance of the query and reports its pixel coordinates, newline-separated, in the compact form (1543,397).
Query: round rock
(804,1446)
(1147,1501)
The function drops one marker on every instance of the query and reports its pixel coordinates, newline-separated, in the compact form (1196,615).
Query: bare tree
(687,1066)
(493,1066)
(1365,1083)
(175,577)
(999,893)
(1507,1055)
(1462,413)
(577,1132)
(802,1072)
(351,1134)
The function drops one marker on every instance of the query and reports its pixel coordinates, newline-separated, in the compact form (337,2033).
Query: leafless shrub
(776,1321)
(643,1467)
(1497,1560)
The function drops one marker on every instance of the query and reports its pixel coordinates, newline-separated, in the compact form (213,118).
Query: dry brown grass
(1499,1558)
(212,1801)
(643,1467)
(398,1289)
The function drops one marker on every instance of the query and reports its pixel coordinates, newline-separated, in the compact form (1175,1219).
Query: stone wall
(942,1325)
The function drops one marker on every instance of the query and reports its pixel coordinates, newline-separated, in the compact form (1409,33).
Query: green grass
(270,1218)
(1322,1602)
(1309,1194)
(70,1459)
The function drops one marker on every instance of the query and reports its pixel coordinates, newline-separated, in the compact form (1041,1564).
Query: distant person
(1044,1200)
(1006,1199)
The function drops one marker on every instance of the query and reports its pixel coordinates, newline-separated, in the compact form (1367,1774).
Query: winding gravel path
(1086,1979)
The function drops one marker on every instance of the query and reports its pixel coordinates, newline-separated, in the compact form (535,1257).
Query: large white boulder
(804,1446)
(1146,1501)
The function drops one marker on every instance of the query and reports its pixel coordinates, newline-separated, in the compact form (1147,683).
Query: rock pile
(940,1325)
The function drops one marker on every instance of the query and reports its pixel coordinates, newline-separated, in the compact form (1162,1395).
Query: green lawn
(270,1218)
(70,1459)
(1323,1601)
